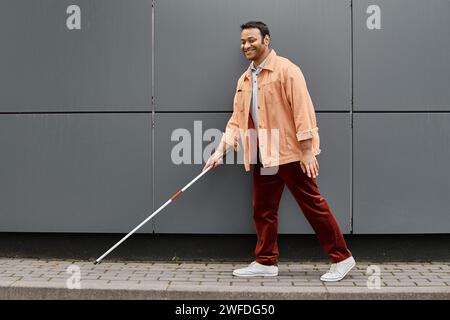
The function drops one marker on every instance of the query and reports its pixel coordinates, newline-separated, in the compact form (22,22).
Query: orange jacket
(285,114)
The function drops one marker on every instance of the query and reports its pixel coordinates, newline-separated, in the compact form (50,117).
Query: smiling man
(272,95)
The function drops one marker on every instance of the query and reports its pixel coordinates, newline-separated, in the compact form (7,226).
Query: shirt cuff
(307,134)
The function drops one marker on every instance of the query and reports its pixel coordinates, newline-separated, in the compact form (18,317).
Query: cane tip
(96,262)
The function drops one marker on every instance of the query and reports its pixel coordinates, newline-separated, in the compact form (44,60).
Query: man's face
(252,45)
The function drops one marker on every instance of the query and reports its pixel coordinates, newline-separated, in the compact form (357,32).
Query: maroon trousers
(267,190)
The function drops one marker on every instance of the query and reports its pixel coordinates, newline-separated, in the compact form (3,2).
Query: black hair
(263,28)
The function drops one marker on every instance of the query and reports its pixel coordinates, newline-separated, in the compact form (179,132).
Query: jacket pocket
(239,101)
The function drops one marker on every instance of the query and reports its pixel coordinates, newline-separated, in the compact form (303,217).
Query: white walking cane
(176,195)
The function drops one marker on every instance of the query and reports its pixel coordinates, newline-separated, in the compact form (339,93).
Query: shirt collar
(266,64)
(261,65)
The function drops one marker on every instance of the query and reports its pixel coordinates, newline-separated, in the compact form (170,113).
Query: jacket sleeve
(300,101)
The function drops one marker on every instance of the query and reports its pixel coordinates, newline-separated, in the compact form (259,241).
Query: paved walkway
(42,279)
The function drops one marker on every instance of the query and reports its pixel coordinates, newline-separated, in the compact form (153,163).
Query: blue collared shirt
(254,109)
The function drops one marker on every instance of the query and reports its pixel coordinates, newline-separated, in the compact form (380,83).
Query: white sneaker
(339,270)
(256,269)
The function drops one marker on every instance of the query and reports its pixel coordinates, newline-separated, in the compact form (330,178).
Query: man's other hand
(309,164)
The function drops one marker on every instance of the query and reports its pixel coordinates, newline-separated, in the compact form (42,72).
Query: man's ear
(267,39)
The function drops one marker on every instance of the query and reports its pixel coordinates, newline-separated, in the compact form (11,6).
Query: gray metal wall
(195,78)
(401,150)
(85,149)
(76,156)
(105,66)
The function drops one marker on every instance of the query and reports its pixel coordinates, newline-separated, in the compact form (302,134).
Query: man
(272,95)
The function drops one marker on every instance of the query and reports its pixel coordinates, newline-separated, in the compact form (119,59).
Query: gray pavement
(44,279)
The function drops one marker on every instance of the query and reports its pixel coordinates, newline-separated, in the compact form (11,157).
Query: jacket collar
(269,65)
